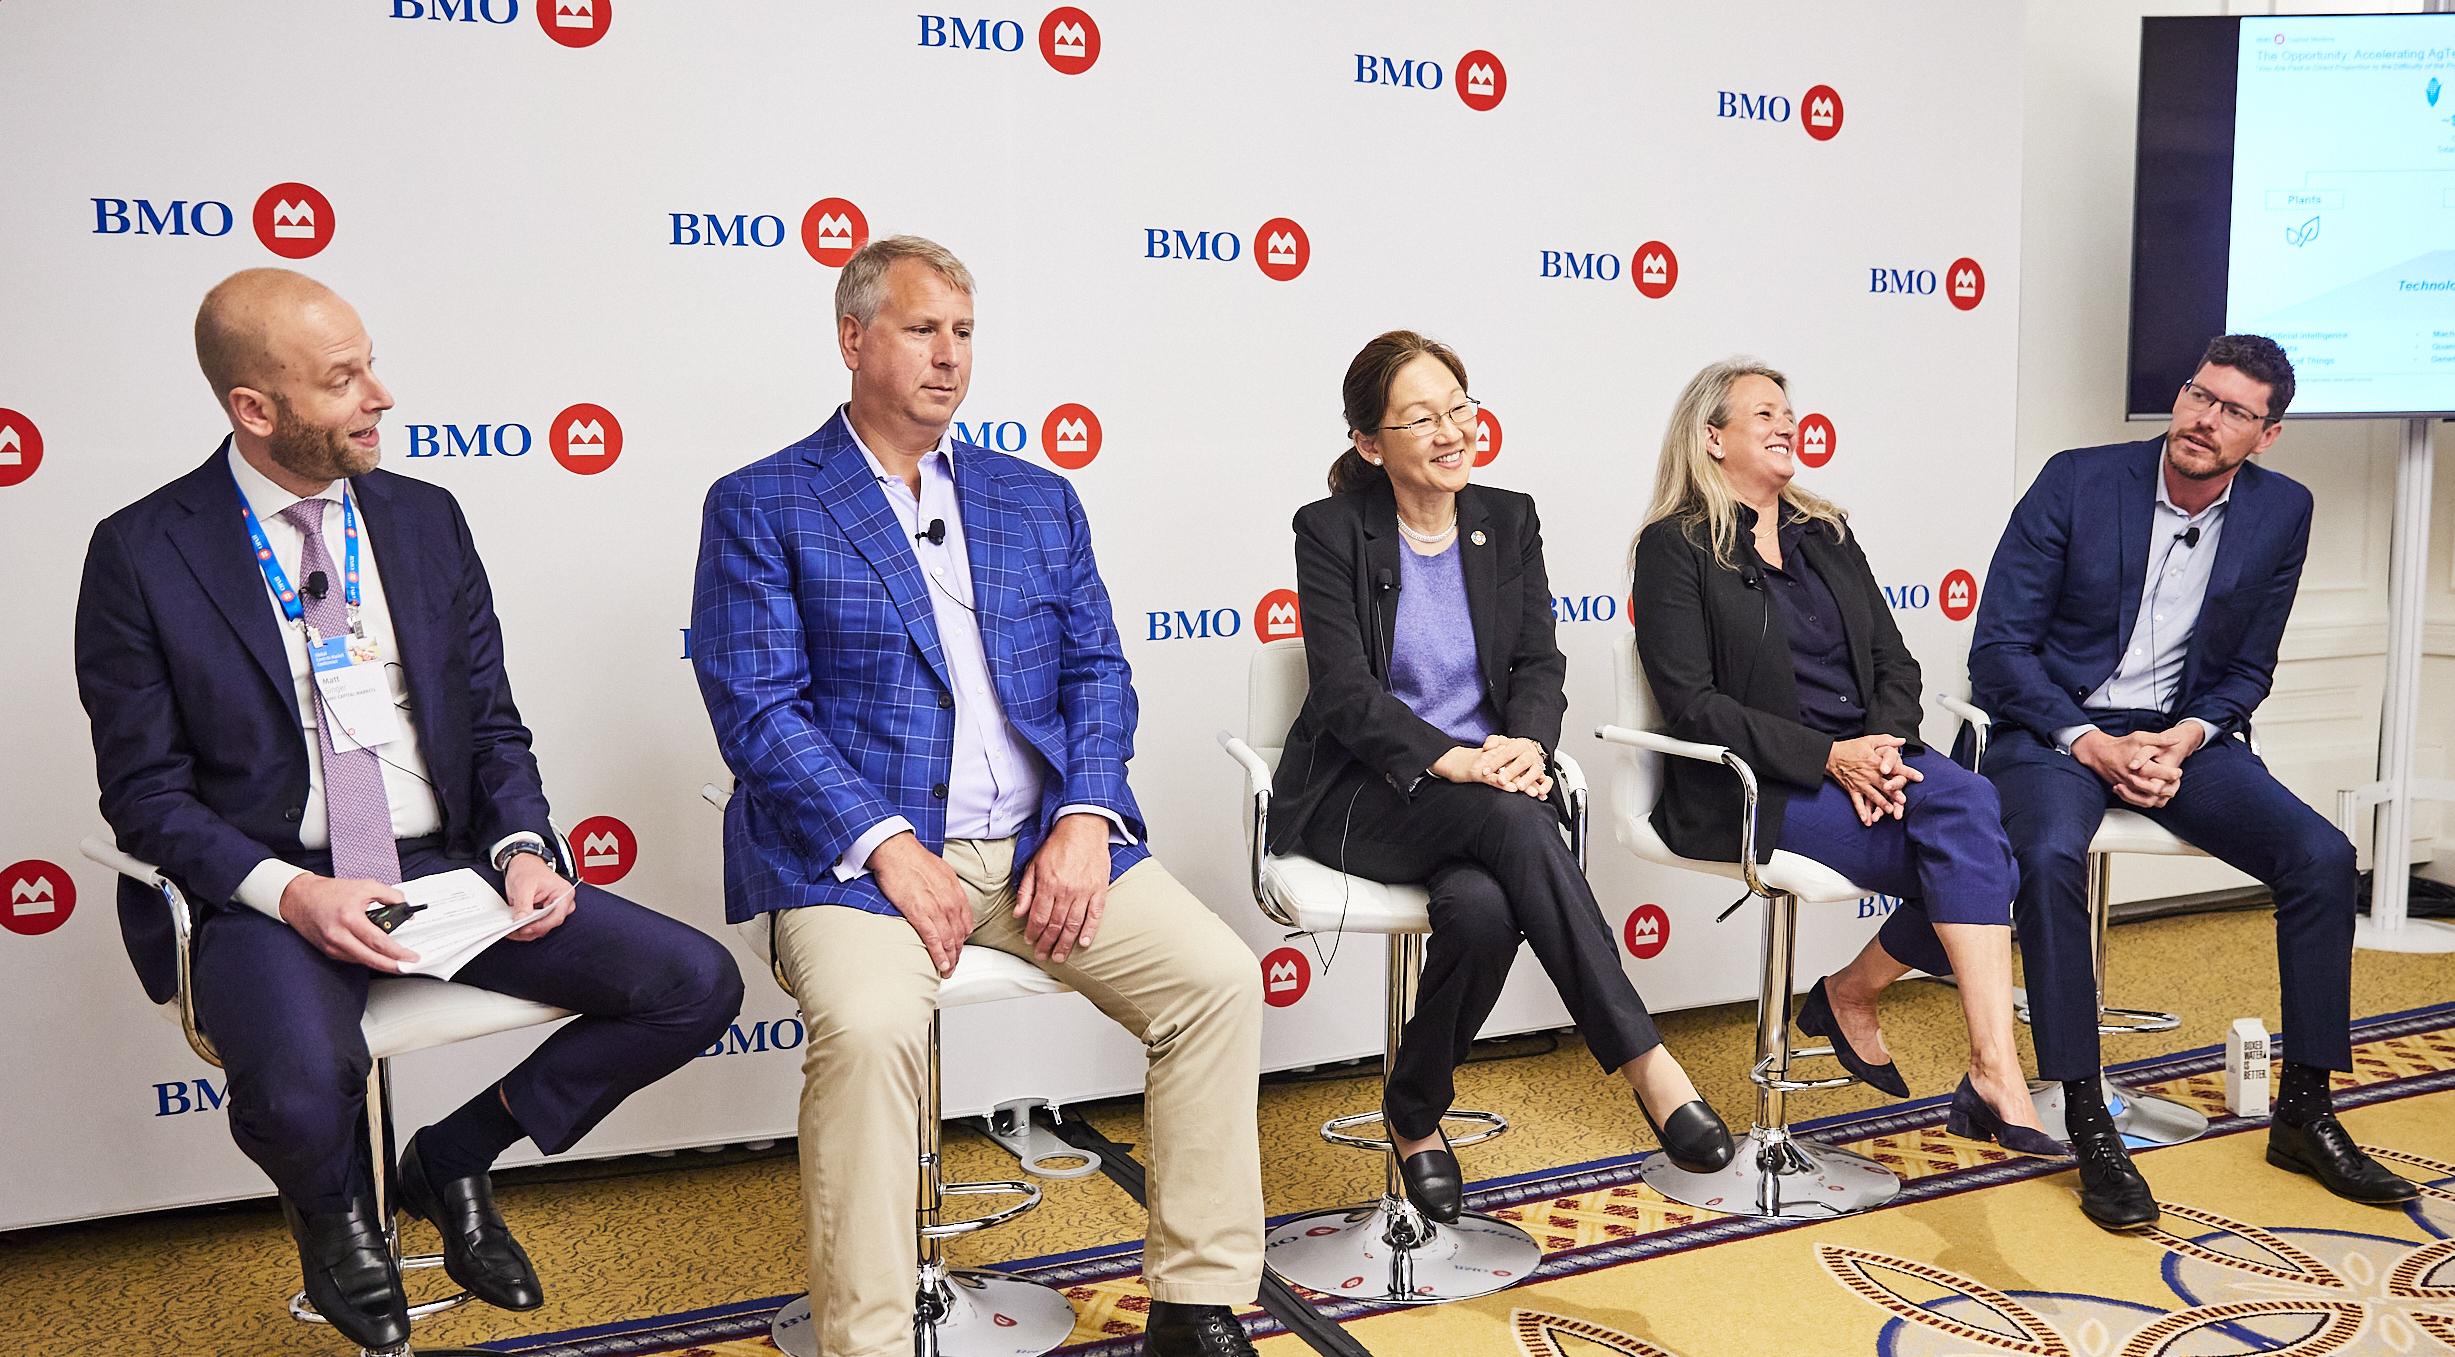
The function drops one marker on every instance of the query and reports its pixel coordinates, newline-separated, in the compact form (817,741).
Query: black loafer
(1434,1182)
(2112,1192)
(2325,1150)
(1194,1331)
(478,1249)
(1693,1135)
(1816,1020)
(350,1277)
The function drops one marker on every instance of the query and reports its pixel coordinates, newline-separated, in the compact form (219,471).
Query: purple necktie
(358,812)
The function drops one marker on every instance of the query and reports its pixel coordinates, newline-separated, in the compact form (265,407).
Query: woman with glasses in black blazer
(1423,752)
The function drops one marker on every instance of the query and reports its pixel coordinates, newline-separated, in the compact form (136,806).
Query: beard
(313,453)
(2198,462)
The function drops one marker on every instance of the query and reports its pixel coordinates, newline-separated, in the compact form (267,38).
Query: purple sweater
(1432,666)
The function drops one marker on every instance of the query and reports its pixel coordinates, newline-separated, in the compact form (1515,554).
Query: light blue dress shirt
(2149,676)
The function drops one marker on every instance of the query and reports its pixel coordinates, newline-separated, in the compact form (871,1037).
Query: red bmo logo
(1647,932)
(575,23)
(1071,433)
(1286,975)
(1069,41)
(832,229)
(294,220)
(1487,436)
(1277,618)
(1482,81)
(21,448)
(1958,595)
(35,897)
(1965,283)
(586,439)
(1817,441)
(1655,269)
(1281,249)
(606,848)
(1820,112)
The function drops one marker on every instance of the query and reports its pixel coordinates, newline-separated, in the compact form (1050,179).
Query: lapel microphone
(315,586)
(936,534)
(2189,536)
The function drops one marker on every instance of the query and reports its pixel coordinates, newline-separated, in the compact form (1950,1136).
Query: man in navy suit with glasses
(2129,629)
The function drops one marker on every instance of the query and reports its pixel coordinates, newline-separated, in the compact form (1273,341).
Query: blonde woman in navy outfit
(1762,628)
(1424,752)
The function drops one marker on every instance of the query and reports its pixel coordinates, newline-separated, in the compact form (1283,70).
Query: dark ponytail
(1366,396)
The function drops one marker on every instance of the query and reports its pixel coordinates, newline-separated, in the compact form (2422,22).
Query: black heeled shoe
(1971,1118)
(1434,1182)
(1816,1020)
(1693,1135)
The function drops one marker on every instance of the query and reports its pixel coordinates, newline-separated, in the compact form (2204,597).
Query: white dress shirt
(994,786)
(415,812)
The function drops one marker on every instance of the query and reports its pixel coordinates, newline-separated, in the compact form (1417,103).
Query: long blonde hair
(1688,482)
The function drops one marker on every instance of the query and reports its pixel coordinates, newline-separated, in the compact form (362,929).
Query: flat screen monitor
(2296,178)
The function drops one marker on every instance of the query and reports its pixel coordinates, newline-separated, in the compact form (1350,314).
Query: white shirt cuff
(2212,735)
(855,863)
(260,890)
(495,854)
(2065,738)
(1117,832)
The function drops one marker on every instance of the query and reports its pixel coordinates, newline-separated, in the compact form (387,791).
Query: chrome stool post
(956,1312)
(2142,1117)
(1387,1252)
(1773,1172)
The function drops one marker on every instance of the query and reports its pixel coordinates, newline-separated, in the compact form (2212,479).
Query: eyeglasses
(1460,416)
(2240,418)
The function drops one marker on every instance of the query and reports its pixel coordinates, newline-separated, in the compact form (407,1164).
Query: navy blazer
(2064,591)
(817,654)
(198,741)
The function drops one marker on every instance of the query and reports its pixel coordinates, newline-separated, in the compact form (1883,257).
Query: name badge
(353,693)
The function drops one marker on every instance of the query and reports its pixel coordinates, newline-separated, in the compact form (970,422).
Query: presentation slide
(2343,236)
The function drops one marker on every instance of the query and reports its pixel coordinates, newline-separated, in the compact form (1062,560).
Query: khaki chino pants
(1162,965)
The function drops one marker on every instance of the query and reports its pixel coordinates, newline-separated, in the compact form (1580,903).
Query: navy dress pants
(2230,807)
(1498,871)
(1945,859)
(651,994)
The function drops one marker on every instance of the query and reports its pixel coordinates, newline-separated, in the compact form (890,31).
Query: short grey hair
(862,287)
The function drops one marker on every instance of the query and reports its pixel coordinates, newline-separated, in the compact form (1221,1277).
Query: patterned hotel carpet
(622,1239)
(1982,1253)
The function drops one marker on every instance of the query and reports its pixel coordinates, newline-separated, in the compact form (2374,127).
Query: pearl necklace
(1428,538)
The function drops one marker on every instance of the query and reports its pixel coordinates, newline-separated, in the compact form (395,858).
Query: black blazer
(1347,586)
(197,736)
(1718,655)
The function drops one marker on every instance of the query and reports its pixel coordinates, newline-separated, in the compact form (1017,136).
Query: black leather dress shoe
(1693,1135)
(2112,1192)
(1194,1331)
(478,1250)
(1434,1182)
(349,1273)
(1816,1020)
(2325,1150)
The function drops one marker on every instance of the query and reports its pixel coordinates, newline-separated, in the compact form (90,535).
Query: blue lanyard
(274,577)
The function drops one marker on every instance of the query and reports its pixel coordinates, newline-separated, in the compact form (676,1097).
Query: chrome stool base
(1774,1173)
(2141,1117)
(1388,1254)
(969,1314)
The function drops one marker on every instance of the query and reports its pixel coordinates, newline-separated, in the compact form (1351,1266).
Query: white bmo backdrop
(596,247)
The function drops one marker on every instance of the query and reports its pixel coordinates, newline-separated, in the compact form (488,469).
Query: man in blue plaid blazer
(914,675)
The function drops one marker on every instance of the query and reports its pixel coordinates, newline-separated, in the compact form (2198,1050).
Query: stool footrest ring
(1761,1074)
(952,1228)
(1335,1130)
(2115,1022)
